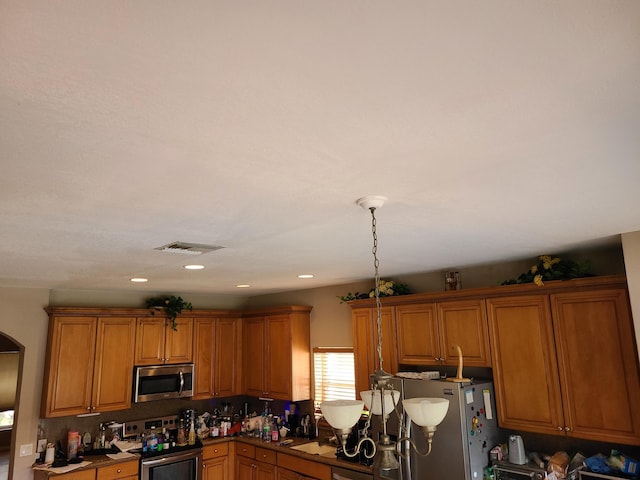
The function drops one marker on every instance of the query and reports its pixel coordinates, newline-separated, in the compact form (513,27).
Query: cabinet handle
(118,471)
(560,429)
(567,429)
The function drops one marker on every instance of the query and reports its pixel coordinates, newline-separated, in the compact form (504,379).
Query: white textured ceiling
(498,129)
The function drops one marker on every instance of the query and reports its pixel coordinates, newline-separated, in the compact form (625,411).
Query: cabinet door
(278,357)
(69,374)
(118,471)
(265,471)
(525,370)
(150,341)
(244,468)
(284,474)
(253,367)
(598,365)
(112,380)
(203,357)
(179,342)
(464,323)
(363,352)
(226,363)
(365,344)
(417,334)
(215,468)
(214,354)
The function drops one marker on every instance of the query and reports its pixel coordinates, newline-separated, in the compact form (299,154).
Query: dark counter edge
(98,461)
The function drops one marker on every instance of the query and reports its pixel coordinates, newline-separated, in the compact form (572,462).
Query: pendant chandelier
(383,399)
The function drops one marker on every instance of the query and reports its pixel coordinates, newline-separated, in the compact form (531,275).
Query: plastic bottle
(145,447)
(275,436)
(152,441)
(192,434)
(266,429)
(165,439)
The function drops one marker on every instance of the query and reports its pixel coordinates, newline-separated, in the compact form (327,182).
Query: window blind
(334,374)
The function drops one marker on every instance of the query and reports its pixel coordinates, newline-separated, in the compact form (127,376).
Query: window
(6,420)
(334,374)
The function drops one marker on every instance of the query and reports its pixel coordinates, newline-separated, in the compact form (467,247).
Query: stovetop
(172,451)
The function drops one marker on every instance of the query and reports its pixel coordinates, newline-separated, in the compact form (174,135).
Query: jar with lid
(182,438)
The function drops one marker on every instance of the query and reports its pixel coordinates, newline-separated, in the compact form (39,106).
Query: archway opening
(11,354)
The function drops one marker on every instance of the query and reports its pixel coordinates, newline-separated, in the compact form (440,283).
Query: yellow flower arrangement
(551,268)
(388,288)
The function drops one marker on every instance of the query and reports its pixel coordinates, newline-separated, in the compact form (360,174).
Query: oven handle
(181,383)
(171,459)
(517,472)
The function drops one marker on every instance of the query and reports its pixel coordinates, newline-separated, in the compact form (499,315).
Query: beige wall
(331,320)
(23,319)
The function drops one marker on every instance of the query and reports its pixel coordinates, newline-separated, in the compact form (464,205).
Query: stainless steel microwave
(161,382)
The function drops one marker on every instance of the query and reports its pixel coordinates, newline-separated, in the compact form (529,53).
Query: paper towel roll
(50,454)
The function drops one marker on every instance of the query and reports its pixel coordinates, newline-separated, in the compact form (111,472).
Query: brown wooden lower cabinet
(255,463)
(284,474)
(296,468)
(116,471)
(119,471)
(215,462)
(89,474)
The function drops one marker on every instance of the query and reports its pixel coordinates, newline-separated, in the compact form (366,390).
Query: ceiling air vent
(188,248)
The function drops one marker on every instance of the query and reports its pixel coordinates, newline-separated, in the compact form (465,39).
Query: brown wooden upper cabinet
(80,374)
(215,343)
(429,332)
(276,353)
(365,343)
(565,363)
(419,333)
(158,343)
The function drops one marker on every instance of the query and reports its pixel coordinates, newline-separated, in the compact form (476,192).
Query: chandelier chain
(376,265)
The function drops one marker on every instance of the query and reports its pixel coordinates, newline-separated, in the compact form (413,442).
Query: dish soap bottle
(192,434)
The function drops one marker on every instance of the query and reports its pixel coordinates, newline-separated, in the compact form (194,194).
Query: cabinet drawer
(266,455)
(118,470)
(81,475)
(217,450)
(246,450)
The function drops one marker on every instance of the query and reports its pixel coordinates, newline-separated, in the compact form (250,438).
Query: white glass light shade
(391,398)
(342,414)
(426,411)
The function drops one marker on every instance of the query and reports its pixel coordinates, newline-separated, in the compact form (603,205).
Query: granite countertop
(92,461)
(98,461)
(327,458)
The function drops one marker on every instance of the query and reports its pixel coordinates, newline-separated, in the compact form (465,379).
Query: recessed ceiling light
(139,280)
(305,275)
(194,267)
(243,285)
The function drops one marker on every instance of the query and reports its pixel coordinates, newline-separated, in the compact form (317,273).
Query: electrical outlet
(26,450)
(42,445)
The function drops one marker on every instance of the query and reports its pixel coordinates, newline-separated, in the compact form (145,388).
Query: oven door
(179,466)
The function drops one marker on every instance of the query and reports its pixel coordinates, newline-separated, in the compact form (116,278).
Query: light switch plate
(26,449)
(42,445)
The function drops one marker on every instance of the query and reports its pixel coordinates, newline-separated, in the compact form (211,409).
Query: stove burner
(167,453)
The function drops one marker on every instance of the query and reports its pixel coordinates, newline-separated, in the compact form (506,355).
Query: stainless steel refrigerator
(462,441)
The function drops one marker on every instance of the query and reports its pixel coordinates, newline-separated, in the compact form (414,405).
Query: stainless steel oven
(183,465)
